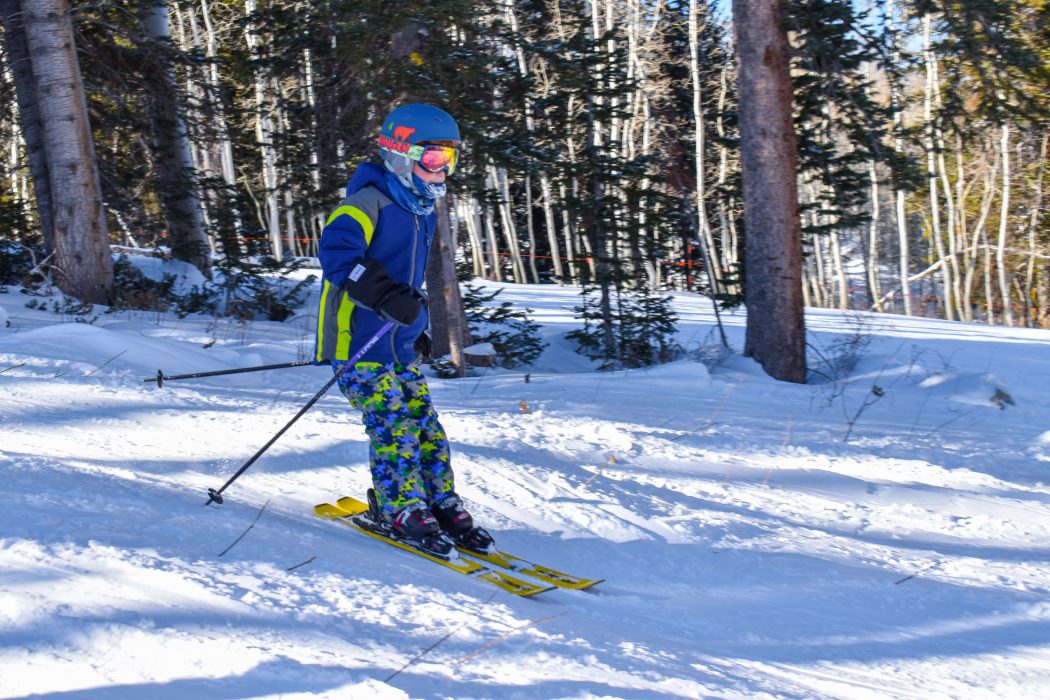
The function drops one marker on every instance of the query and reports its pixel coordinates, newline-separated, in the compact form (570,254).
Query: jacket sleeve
(343,241)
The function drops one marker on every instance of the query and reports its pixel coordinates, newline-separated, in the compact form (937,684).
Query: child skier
(373,254)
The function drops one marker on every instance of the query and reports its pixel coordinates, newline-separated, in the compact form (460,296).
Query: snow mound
(985,389)
(1041,449)
(83,342)
(186,276)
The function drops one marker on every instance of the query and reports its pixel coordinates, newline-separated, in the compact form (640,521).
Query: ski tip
(329,512)
(590,584)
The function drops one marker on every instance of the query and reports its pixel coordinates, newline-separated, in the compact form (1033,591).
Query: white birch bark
(498,181)
(1004,216)
(972,260)
(264,130)
(896,101)
(1030,292)
(929,144)
(177,179)
(82,256)
(467,212)
(493,243)
(874,266)
(706,239)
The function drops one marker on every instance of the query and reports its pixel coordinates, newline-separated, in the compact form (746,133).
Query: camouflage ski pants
(408,449)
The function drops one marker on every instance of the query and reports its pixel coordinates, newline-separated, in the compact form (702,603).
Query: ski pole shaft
(161,377)
(215,496)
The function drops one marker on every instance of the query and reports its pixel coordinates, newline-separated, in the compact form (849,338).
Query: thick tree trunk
(448,322)
(29,114)
(82,256)
(176,182)
(775,336)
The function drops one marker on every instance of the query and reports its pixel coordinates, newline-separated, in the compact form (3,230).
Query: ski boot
(415,526)
(459,525)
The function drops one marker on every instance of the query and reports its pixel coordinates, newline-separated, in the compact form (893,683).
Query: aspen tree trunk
(989,294)
(599,234)
(264,132)
(569,235)
(873,266)
(498,178)
(318,216)
(896,102)
(839,270)
(490,231)
(530,228)
(566,224)
(468,212)
(978,232)
(29,115)
(82,256)
(552,230)
(176,183)
(227,204)
(530,127)
(775,335)
(1031,291)
(706,239)
(730,243)
(929,144)
(1004,215)
(955,240)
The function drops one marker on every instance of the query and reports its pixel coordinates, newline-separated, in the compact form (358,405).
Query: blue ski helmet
(413,125)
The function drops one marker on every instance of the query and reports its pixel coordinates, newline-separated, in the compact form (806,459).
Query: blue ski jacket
(368,223)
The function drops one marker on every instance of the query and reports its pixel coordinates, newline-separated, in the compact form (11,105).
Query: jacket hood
(368,175)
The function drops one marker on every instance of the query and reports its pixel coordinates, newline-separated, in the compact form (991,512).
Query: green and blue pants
(408,448)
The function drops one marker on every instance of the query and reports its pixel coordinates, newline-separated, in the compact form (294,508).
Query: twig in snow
(923,570)
(787,438)
(20,364)
(293,568)
(950,421)
(106,363)
(478,383)
(594,476)
(711,420)
(257,516)
(430,648)
(612,460)
(497,640)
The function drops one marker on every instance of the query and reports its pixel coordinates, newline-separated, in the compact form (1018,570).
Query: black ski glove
(369,285)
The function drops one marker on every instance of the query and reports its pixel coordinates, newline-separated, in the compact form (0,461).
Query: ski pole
(216,496)
(161,377)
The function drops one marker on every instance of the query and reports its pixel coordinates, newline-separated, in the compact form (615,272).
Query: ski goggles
(434,157)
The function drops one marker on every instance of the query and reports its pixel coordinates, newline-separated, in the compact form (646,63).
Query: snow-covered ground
(749,549)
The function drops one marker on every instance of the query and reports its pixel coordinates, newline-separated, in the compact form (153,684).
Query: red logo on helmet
(402,133)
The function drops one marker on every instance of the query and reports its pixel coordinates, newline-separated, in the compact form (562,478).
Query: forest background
(601,142)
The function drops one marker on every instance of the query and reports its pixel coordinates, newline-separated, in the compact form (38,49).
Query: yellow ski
(543,573)
(501,559)
(461,565)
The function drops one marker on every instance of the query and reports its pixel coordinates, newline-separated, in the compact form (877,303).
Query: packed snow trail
(748,550)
